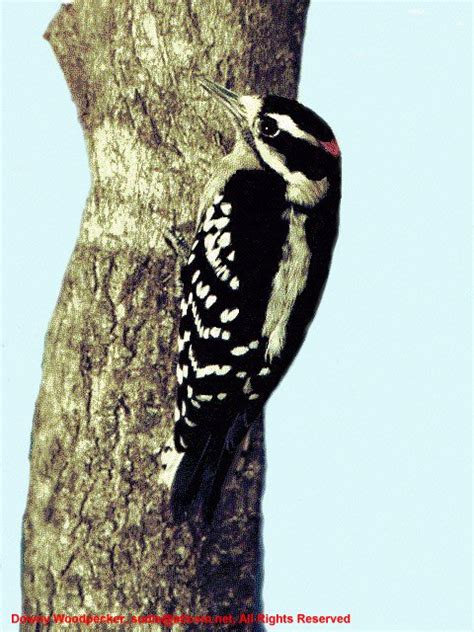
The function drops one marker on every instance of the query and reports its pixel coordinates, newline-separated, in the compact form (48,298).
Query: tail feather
(188,479)
(219,474)
(202,472)
(233,439)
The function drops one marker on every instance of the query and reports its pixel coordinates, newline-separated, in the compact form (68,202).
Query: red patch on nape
(331,147)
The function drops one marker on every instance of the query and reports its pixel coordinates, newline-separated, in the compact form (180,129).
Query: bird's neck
(304,192)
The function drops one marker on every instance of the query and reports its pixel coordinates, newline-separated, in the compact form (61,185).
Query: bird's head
(288,138)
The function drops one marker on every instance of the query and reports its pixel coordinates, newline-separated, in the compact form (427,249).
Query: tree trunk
(98,535)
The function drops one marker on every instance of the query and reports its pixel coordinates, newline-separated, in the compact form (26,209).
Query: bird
(251,284)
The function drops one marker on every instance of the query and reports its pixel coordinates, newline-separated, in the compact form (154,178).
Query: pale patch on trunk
(118,158)
(288,283)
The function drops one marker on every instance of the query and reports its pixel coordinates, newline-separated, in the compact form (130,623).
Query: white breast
(288,283)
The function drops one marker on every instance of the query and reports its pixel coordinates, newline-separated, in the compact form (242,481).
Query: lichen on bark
(98,535)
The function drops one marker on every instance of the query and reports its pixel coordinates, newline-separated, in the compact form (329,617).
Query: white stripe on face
(287,124)
(300,189)
(252,106)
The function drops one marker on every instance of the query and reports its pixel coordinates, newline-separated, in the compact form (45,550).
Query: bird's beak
(230,100)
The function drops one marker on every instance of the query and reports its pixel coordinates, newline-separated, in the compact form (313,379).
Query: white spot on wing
(224,240)
(210,212)
(212,369)
(208,222)
(223,273)
(202,290)
(213,256)
(238,351)
(221,223)
(229,315)
(209,241)
(210,300)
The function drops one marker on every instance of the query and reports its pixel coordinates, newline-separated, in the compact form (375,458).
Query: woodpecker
(251,284)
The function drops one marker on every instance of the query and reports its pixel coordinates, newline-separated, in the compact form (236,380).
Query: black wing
(222,370)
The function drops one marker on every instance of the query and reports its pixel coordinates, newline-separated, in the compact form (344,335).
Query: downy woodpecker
(252,282)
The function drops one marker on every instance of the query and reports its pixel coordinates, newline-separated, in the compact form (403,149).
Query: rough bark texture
(97,530)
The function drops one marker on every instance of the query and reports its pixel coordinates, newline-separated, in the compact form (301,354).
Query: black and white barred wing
(222,365)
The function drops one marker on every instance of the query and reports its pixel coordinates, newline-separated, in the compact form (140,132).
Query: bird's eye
(268,127)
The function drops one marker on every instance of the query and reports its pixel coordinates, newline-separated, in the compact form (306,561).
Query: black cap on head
(307,120)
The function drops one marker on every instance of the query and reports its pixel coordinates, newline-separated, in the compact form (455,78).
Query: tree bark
(98,535)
